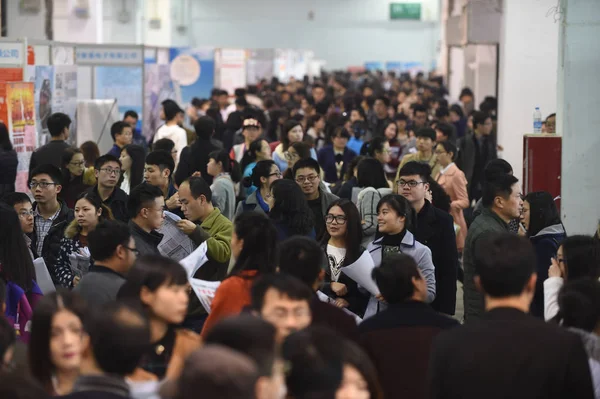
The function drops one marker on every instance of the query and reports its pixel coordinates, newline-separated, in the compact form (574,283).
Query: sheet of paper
(42,276)
(175,243)
(195,260)
(80,264)
(205,290)
(324,298)
(360,271)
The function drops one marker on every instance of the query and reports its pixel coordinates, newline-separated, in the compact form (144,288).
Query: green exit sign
(410,11)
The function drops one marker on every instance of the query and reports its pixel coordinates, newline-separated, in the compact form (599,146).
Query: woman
(579,312)
(577,257)
(89,211)
(132,165)
(334,158)
(226,173)
(254,247)
(541,221)
(90,153)
(454,182)
(57,341)
(263,176)
(391,134)
(290,211)
(457,118)
(76,178)
(258,150)
(315,128)
(372,186)
(342,246)
(291,133)
(160,285)
(8,162)
(17,271)
(345,189)
(378,148)
(296,152)
(395,218)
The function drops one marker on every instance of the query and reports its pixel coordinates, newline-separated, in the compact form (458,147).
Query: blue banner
(193,72)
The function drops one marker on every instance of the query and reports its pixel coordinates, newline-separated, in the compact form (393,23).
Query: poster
(123,84)
(230,71)
(158,86)
(259,65)
(193,73)
(65,96)
(374,66)
(11,74)
(43,82)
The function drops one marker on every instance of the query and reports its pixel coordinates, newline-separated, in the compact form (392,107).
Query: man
(108,172)
(122,135)
(51,153)
(419,120)
(117,336)
(408,325)
(467,100)
(203,222)
(445,132)
(318,93)
(303,258)
(251,130)
(223,103)
(146,209)
(113,249)
(435,229)
(158,172)
(22,205)
(550,124)
(335,158)
(284,301)
(51,215)
(171,130)
(442,114)
(475,150)
(381,118)
(307,174)
(424,154)
(502,203)
(131,118)
(194,158)
(508,353)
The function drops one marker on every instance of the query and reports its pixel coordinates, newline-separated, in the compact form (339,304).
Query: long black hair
(262,169)
(229,165)
(5,143)
(402,207)
(250,154)
(543,212)
(15,261)
(291,208)
(582,257)
(579,304)
(371,148)
(260,243)
(370,173)
(287,126)
(138,158)
(354,233)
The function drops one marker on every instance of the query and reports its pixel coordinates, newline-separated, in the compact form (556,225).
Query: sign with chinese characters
(108,56)
(11,53)
(409,11)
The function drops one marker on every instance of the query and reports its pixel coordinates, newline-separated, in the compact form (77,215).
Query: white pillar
(528,67)
(154,35)
(578,114)
(68,27)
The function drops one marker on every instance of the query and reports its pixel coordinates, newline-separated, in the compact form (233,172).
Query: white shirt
(446,168)
(335,258)
(176,134)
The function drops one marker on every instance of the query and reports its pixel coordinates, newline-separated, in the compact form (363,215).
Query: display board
(158,87)
(192,72)
(230,69)
(121,83)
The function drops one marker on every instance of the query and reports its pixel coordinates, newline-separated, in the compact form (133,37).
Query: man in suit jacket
(508,353)
(398,339)
(335,159)
(435,229)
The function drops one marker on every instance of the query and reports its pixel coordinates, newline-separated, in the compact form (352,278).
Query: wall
(528,70)
(24,25)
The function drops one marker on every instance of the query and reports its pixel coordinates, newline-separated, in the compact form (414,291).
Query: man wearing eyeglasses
(22,205)
(108,174)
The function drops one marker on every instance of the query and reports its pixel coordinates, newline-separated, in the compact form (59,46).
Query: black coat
(8,171)
(326,157)
(327,315)
(51,246)
(467,155)
(117,202)
(435,229)
(509,354)
(194,158)
(50,153)
(146,243)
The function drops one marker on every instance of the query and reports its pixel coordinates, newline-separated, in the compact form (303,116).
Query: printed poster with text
(193,72)
(123,84)
(65,96)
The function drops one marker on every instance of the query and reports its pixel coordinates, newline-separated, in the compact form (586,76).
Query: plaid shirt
(42,227)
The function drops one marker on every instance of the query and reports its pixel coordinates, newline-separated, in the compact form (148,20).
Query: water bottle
(537,120)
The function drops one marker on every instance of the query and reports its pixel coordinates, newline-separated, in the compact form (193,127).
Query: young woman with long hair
(76,178)
(254,248)
(290,211)
(263,175)
(342,246)
(132,159)
(225,172)
(57,341)
(259,150)
(160,285)
(291,133)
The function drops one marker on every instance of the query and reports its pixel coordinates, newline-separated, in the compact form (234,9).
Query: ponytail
(230,166)
(262,169)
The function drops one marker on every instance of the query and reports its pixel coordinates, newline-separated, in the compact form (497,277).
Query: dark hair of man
(40,364)
(543,212)
(402,207)
(171,109)
(284,284)
(302,258)
(229,165)
(414,168)
(386,101)
(163,145)
(162,159)
(249,335)
(401,116)
(142,196)
(442,112)
(495,168)
(106,237)
(465,92)
(205,127)
(504,263)
(394,277)
(579,304)
(17,266)
(499,187)
(317,360)
(426,132)
(582,257)
(457,109)
(550,116)
(15,198)
(259,251)
(479,118)
(104,159)
(117,128)
(447,130)
(419,108)
(307,163)
(198,187)
(119,337)
(47,169)
(354,234)
(131,113)
(449,148)
(57,122)
(262,169)
(291,208)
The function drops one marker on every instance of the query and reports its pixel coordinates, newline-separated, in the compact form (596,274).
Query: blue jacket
(545,243)
(326,158)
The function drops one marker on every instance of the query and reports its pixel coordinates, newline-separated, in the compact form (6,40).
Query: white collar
(446,168)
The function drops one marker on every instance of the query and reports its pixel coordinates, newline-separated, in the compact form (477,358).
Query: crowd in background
(296,190)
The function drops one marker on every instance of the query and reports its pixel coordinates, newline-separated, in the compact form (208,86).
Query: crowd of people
(339,219)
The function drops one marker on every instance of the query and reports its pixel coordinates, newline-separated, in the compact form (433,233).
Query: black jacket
(50,153)
(117,202)
(327,161)
(51,247)
(194,158)
(466,158)
(435,229)
(509,354)
(8,171)
(146,243)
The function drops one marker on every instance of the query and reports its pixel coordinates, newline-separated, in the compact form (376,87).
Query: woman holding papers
(89,211)
(342,247)
(254,248)
(226,173)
